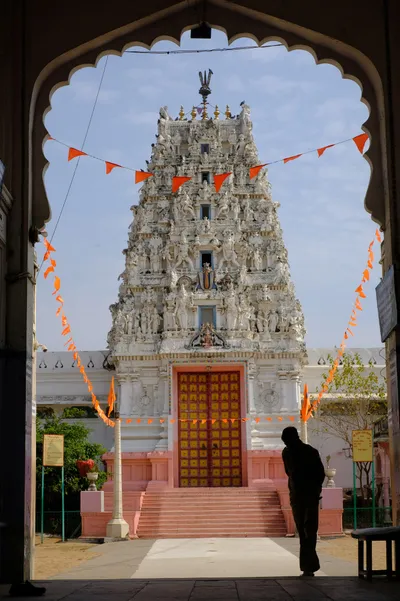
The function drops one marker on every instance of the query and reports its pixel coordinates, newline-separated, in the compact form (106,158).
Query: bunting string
(219,178)
(309,408)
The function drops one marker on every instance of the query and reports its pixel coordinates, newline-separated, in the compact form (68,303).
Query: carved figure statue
(248,211)
(223,207)
(155,321)
(183,255)
(235,208)
(186,207)
(256,259)
(155,260)
(281,272)
(228,251)
(231,308)
(273,321)
(181,308)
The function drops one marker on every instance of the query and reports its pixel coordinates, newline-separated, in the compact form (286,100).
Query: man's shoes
(307,575)
(26,589)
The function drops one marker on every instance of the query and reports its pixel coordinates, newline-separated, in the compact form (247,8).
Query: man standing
(306,475)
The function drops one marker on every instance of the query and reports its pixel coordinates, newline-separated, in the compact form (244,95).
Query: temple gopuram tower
(208,336)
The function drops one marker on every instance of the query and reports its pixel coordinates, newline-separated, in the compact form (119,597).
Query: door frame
(204,368)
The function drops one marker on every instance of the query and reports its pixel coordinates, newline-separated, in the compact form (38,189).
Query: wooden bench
(368,535)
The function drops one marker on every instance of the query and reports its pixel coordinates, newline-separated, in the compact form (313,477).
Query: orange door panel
(209,429)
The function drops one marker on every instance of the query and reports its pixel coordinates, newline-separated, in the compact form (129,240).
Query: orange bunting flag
(378,236)
(138,420)
(359,289)
(280,419)
(172,421)
(346,335)
(149,421)
(352,323)
(257,420)
(128,421)
(57,284)
(358,305)
(60,299)
(305,408)
(225,421)
(349,331)
(294,157)
(269,419)
(370,265)
(371,255)
(46,256)
(162,420)
(219,180)
(111,397)
(53,262)
(68,341)
(291,418)
(194,421)
(64,320)
(140,176)
(253,171)
(75,356)
(58,311)
(49,247)
(90,386)
(213,421)
(74,152)
(66,331)
(233,419)
(245,419)
(360,141)
(366,274)
(322,150)
(110,166)
(48,271)
(178,181)
(71,347)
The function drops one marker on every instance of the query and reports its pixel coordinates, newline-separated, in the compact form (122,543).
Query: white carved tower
(206,288)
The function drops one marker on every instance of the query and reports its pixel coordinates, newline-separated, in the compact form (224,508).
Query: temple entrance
(210,438)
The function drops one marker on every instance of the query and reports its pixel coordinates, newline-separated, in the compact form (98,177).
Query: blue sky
(296,106)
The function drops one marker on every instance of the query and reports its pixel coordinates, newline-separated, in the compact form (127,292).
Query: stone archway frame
(237,21)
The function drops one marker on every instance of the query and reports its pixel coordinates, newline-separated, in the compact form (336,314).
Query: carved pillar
(284,390)
(295,393)
(125,394)
(251,374)
(164,406)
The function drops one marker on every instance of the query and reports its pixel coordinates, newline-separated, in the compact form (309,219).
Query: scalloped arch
(236,22)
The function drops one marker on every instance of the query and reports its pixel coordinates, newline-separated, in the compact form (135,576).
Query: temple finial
(205,90)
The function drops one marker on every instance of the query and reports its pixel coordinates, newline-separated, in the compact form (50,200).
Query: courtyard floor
(201,569)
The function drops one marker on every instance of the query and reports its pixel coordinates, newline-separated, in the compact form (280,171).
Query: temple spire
(205,90)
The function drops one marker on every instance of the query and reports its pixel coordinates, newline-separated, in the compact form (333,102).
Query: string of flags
(219,178)
(308,408)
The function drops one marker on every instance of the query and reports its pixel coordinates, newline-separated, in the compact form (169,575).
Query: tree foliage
(358,398)
(76,446)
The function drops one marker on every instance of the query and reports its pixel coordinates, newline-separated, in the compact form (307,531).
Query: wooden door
(209,429)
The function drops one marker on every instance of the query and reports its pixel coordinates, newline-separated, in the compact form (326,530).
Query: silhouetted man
(306,475)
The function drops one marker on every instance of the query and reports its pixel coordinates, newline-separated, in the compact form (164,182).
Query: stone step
(203,533)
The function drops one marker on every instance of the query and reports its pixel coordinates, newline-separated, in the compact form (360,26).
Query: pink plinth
(266,469)
(330,514)
(141,470)
(92,501)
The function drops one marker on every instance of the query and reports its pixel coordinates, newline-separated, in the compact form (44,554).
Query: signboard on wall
(53,450)
(386,302)
(362,445)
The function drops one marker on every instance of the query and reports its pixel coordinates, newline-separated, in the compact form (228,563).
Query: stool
(367,536)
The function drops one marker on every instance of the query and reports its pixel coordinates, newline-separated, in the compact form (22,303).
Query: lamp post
(117,527)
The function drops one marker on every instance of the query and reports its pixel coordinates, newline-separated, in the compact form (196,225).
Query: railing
(383,517)
(52,523)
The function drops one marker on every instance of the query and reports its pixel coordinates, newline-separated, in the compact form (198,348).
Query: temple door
(209,429)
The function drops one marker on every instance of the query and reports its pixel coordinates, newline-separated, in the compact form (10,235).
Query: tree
(76,446)
(359,399)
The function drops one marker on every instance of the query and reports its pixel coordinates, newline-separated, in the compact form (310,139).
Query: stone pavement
(200,558)
(246,589)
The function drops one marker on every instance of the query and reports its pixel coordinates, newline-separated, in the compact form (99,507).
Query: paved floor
(210,569)
(281,589)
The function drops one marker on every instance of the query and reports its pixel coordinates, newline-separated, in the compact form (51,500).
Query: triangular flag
(46,256)
(58,311)
(172,421)
(359,289)
(178,181)
(305,407)
(253,171)
(68,341)
(194,421)
(296,156)
(358,305)
(349,331)
(269,419)
(162,420)
(66,331)
(149,421)
(322,150)
(279,418)
(370,265)
(233,419)
(111,166)
(138,420)
(57,284)
(225,421)
(203,421)
(48,271)
(74,152)
(60,299)
(378,236)
(360,141)
(49,247)
(245,419)
(366,274)
(140,176)
(352,323)
(219,179)
(64,320)
(346,335)
(213,421)
(257,420)
(111,397)
(291,418)
(128,421)
(75,356)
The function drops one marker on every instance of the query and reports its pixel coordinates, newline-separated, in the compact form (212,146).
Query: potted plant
(84,465)
(92,474)
(330,473)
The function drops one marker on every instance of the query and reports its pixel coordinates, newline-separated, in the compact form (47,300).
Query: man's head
(290,436)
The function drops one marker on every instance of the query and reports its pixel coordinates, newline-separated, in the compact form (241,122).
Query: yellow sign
(362,445)
(53,450)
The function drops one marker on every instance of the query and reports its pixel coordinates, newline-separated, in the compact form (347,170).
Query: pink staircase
(211,512)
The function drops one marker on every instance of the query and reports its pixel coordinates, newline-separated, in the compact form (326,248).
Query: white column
(117,527)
